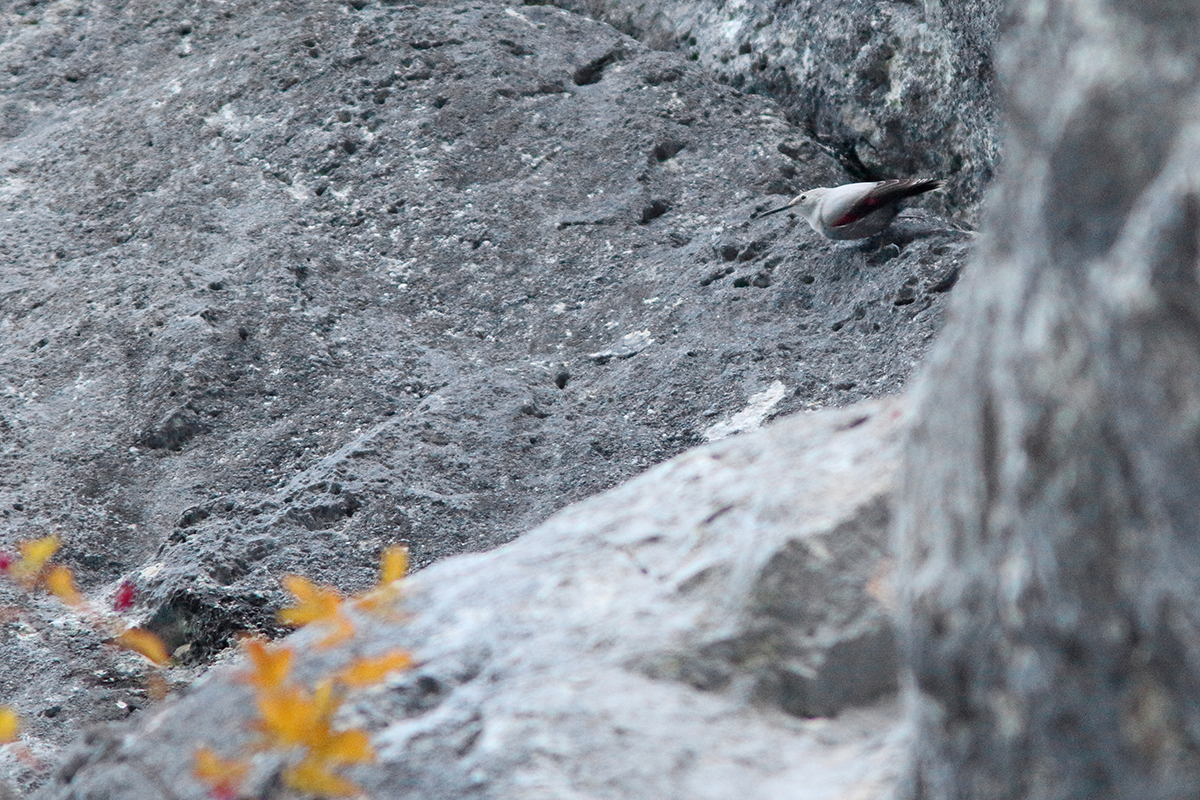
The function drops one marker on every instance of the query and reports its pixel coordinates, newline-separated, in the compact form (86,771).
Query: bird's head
(806,204)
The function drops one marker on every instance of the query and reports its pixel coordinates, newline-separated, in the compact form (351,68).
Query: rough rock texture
(890,89)
(1052,507)
(665,639)
(287,282)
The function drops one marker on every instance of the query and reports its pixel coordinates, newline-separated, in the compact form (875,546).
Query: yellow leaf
(292,716)
(326,700)
(37,552)
(345,747)
(143,641)
(343,629)
(393,565)
(10,725)
(379,599)
(34,555)
(61,584)
(313,776)
(223,776)
(271,665)
(314,603)
(370,671)
(284,715)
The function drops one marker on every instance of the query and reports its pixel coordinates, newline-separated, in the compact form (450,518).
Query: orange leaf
(343,629)
(140,640)
(292,716)
(10,725)
(393,565)
(61,584)
(370,671)
(314,603)
(271,664)
(285,716)
(379,599)
(345,747)
(326,701)
(313,776)
(223,776)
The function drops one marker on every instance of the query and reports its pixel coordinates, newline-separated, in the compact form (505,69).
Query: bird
(856,210)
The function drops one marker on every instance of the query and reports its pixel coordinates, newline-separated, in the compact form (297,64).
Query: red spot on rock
(125,596)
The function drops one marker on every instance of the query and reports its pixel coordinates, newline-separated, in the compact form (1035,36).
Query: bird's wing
(882,194)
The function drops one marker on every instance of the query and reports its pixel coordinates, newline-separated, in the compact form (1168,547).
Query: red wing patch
(859,210)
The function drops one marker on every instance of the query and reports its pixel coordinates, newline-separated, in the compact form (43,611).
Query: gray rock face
(1051,507)
(283,284)
(665,639)
(890,89)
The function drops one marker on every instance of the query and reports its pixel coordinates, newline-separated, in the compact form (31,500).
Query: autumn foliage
(10,725)
(297,721)
(33,570)
(293,720)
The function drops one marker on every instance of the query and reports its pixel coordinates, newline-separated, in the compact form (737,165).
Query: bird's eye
(803,197)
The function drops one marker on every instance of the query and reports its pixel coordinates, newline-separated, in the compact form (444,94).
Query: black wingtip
(917,186)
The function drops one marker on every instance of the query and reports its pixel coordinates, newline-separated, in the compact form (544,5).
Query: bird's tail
(914,186)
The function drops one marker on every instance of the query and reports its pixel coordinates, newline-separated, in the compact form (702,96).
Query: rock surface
(1051,499)
(889,89)
(670,638)
(285,283)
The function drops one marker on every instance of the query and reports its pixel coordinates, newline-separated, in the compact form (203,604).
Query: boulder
(716,626)
(1050,506)
(287,283)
